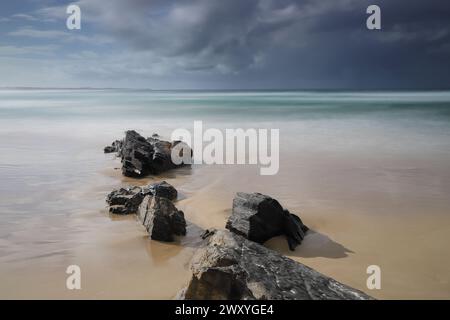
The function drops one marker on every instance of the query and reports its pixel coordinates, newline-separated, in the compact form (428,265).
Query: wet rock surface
(142,156)
(232,267)
(154,208)
(162,189)
(161,218)
(114,147)
(208,233)
(127,200)
(258,218)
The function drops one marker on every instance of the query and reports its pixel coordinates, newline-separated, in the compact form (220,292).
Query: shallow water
(368,172)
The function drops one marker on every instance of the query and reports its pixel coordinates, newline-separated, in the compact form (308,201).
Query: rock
(141,156)
(162,189)
(125,200)
(114,147)
(109,149)
(258,217)
(208,233)
(161,218)
(232,267)
(128,200)
(137,155)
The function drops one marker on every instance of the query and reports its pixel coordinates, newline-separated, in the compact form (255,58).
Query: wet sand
(385,229)
(352,227)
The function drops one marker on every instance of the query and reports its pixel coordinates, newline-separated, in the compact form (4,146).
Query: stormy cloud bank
(240,44)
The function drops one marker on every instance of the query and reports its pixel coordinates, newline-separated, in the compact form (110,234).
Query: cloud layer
(245,44)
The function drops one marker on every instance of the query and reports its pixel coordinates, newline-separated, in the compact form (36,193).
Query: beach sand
(350,230)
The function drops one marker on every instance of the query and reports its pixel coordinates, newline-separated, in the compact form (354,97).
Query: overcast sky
(226,44)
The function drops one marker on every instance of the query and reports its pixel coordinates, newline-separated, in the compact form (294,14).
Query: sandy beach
(119,261)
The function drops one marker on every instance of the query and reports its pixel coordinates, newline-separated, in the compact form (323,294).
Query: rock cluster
(142,156)
(232,267)
(258,217)
(127,200)
(232,264)
(153,204)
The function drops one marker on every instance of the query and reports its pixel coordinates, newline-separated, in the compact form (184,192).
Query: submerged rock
(258,217)
(232,267)
(127,200)
(141,156)
(161,218)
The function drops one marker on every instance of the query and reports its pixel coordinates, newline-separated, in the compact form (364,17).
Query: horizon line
(222,89)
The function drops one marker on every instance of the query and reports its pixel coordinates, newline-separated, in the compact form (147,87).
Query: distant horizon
(233,90)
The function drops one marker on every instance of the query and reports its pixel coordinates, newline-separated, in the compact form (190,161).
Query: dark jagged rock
(114,147)
(161,218)
(141,156)
(208,233)
(125,200)
(137,154)
(161,154)
(162,189)
(232,267)
(109,149)
(258,217)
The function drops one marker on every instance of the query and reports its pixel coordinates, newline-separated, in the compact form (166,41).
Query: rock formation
(161,218)
(232,267)
(141,156)
(127,200)
(114,147)
(162,189)
(154,207)
(258,217)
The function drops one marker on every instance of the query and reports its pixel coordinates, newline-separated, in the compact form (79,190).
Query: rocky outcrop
(137,155)
(127,200)
(258,217)
(142,156)
(154,207)
(161,218)
(232,267)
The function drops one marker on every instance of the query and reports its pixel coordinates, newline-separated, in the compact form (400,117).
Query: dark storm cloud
(284,43)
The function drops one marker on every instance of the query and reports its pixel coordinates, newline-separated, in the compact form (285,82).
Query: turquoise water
(113,104)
